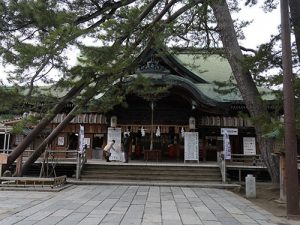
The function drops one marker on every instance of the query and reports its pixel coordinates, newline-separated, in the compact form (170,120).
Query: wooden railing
(51,158)
(57,155)
(62,155)
(246,160)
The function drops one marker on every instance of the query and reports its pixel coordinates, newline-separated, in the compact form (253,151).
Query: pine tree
(35,36)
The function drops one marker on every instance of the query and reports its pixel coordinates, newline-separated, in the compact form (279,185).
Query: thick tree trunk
(246,85)
(42,124)
(295,16)
(41,148)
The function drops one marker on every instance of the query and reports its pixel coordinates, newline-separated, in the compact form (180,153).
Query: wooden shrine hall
(193,103)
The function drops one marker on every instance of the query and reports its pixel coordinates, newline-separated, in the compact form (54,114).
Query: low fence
(57,155)
(245,160)
(33,181)
(54,157)
(245,163)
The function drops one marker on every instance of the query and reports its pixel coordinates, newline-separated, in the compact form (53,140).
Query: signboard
(226,146)
(192,123)
(81,139)
(3,158)
(249,146)
(191,146)
(115,134)
(87,142)
(230,131)
(61,141)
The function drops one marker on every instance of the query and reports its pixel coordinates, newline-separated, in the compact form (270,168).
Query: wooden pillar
(282,178)
(3,161)
(19,165)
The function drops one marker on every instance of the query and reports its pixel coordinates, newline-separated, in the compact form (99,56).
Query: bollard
(78,166)
(3,161)
(250,186)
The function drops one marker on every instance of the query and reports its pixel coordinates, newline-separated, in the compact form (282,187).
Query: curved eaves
(190,87)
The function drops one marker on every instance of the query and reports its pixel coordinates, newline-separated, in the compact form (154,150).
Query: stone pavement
(130,205)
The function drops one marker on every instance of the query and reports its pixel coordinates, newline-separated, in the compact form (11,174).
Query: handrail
(28,152)
(222,164)
(254,160)
(81,160)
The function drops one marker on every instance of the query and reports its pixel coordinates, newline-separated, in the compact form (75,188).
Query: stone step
(147,167)
(142,173)
(160,172)
(141,177)
(152,172)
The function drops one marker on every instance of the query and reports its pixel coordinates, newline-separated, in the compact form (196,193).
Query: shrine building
(193,103)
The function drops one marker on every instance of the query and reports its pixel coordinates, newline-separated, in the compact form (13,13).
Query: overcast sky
(262,27)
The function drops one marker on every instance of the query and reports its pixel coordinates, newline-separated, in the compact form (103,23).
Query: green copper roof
(208,67)
(214,68)
(210,91)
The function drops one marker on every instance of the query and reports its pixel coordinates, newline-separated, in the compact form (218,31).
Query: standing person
(107,149)
(126,147)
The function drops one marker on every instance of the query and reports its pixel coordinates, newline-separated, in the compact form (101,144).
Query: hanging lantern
(157,134)
(192,123)
(113,121)
(143,132)
(127,132)
(182,132)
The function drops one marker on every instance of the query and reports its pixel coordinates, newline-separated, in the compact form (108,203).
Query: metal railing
(81,160)
(246,160)
(239,160)
(51,158)
(222,164)
(59,155)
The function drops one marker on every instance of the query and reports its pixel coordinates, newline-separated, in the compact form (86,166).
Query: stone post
(250,186)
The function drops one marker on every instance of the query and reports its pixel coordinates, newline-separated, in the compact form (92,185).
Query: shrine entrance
(171,117)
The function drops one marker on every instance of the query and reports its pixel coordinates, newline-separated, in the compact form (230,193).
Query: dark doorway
(73,141)
(1,141)
(98,140)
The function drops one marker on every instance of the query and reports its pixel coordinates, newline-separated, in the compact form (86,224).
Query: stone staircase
(152,173)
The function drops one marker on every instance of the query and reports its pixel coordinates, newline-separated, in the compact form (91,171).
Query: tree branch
(96,4)
(248,49)
(36,74)
(102,20)
(164,11)
(103,9)
(141,17)
(183,9)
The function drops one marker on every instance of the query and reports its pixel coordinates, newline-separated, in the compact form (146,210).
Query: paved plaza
(117,204)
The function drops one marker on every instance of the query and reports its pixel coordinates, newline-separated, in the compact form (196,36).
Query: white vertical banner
(115,134)
(226,145)
(81,139)
(191,146)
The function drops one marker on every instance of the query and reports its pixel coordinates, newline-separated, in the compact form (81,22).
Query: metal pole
(223,164)
(290,143)
(8,144)
(78,166)
(4,144)
(151,135)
